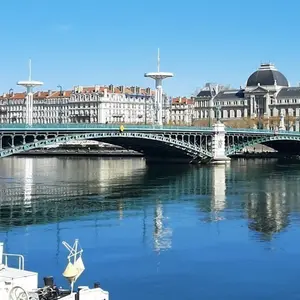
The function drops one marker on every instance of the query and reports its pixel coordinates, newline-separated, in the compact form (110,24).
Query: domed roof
(267,75)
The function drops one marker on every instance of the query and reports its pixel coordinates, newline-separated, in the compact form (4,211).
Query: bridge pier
(218,145)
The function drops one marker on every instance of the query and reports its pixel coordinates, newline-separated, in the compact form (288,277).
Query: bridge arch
(147,143)
(280,143)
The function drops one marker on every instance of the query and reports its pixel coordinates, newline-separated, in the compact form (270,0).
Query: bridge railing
(229,129)
(135,127)
(261,131)
(74,126)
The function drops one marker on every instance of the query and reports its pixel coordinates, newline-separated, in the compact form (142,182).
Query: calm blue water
(158,232)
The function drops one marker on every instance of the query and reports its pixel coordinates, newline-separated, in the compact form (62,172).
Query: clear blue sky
(101,42)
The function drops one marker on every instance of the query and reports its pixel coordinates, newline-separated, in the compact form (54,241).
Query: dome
(267,75)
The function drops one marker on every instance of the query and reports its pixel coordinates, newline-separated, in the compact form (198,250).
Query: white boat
(16,283)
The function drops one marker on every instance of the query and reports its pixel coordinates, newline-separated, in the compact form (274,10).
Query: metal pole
(171,112)
(145,112)
(209,108)
(10,94)
(210,105)
(258,116)
(60,104)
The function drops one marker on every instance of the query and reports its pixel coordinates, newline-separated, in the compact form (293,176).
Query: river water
(158,232)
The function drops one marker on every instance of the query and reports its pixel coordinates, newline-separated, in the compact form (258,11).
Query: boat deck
(26,279)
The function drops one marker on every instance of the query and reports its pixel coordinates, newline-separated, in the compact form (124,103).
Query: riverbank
(127,153)
(81,152)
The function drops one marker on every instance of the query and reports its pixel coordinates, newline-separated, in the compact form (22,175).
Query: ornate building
(266,96)
(85,105)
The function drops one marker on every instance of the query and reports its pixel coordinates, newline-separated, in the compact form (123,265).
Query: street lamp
(60,90)
(60,104)
(213,94)
(145,109)
(10,94)
(259,125)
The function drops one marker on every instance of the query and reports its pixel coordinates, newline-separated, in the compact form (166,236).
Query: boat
(17,283)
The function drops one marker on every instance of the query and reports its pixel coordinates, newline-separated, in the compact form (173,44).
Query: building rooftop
(267,75)
(289,93)
(182,100)
(133,90)
(205,94)
(230,95)
(210,90)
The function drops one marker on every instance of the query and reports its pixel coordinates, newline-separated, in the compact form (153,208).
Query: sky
(115,42)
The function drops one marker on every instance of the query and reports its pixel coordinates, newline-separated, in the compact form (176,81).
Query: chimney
(111,88)
(132,89)
(121,88)
(97,88)
(148,91)
(105,92)
(138,90)
(78,89)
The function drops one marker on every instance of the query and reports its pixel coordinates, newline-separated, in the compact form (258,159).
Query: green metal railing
(262,131)
(132,127)
(91,126)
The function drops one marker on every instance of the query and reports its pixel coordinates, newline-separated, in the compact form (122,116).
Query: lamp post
(60,104)
(171,112)
(145,109)
(10,94)
(213,94)
(259,125)
(210,104)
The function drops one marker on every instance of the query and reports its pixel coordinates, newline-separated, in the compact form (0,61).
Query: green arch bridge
(166,143)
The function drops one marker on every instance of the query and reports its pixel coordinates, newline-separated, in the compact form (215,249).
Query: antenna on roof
(29,69)
(158,60)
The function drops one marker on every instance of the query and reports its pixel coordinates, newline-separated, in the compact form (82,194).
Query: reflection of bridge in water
(39,190)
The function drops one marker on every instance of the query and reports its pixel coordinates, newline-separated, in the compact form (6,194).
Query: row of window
(282,101)
(245,102)
(83,105)
(223,103)
(203,114)
(76,119)
(65,108)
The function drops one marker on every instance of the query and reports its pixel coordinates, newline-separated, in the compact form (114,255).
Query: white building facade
(182,111)
(266,96)
(97,104)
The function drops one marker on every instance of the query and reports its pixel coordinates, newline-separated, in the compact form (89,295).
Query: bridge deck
(84,127)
